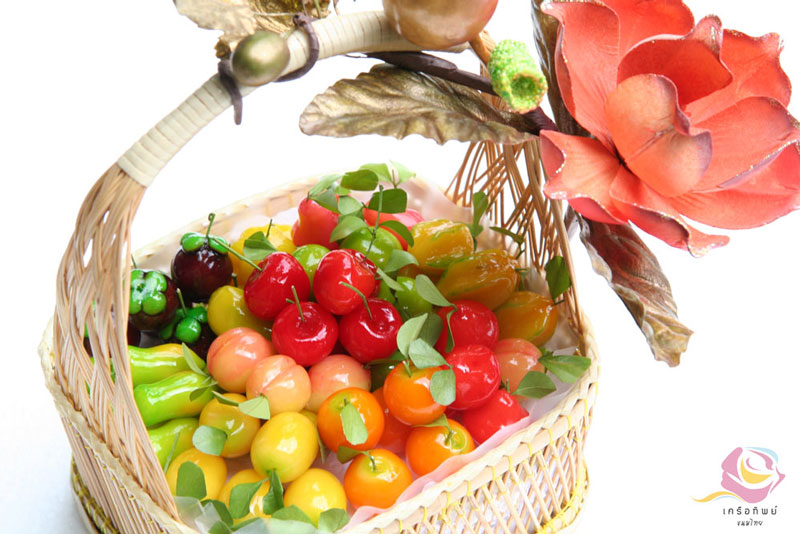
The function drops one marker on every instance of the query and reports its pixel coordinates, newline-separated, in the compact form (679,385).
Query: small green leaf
(424,355)
(202,390)
(292,513)
(189,356)
(324,183)
(345,454)
(256,407)
(399,259)
(333,519)
(409,332)
(391,282)
(535,385)
(450,339)
(240,498)
(428,291)
(518,239)
(346,226)
(567,368)
(257,247)
(220,527)
(222,512)
(191,481)
(432,328)
(222,399)
(439,421)
(381,170)
(390,201)
(355,431)
(401,230)
(557,275)
(443,387)
(209,440)
(348,205)
(327,199)
(171,454)
(400,173)
(273,500)
(480,203)
(360,180)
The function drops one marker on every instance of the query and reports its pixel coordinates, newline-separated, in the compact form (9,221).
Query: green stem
(363,298)
(377,223)
(211,217)
(133,261)
(241,257)
(180,299)
(297,301)
(235,278)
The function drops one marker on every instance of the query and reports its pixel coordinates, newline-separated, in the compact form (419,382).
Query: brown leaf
(239,18)
(635,275)
(396,102)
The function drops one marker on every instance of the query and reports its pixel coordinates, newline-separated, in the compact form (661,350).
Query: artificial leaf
(202,390)
(273,500)
(518,239)
(240,18)
(450,339)
(633,272)
(389,201)
(292,513)
(431,329)
(209,440)
(428,291)
(323,184)
(567,368)
(256,407)
(535,385)
(424,355)
(189,357)
(326,199)
(240,498)
(360,180)
(399,258)
(355,431)
(347,225)
(171,454)
(400,173)
(381,170)
(480,203)
(222,512)
(220,527)
(443,387)
(557,275)
(191,481)
(333,519)
(345,454)
(257,247)
(222,399)
(397,102)
(439,421)
(391,282)
(409,332)
(348,205)
(403,231)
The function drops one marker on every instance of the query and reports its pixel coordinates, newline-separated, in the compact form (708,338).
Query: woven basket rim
(544,430)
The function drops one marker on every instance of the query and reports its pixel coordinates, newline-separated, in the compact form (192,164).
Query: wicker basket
(535,481)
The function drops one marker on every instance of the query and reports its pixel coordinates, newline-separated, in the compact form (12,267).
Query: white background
(83,80)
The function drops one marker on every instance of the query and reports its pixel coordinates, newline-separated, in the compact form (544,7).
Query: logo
(749,474)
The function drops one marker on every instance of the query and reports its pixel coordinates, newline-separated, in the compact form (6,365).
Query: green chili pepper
(177,433)
(157,363)
(172,397)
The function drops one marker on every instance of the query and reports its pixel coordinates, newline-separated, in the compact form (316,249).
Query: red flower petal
(692,62)
(653,135)
(587,50)
(755,65)
(655,215)
(580,170)
(639,20)
(745,137)
(770,192)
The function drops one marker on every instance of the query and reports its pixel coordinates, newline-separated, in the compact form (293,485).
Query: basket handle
(345,34)
(99,411)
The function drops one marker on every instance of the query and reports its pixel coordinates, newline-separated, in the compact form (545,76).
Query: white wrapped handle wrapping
(358,32)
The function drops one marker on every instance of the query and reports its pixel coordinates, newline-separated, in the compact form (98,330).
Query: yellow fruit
(314,492)
(214,470)
(287,443)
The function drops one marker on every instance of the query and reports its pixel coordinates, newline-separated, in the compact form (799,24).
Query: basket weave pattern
(534,481)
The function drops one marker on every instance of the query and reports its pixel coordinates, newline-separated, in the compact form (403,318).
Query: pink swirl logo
(749,474)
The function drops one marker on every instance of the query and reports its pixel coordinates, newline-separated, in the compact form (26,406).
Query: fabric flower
(687,121)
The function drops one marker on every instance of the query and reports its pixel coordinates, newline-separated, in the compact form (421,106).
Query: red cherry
(409,218)
(477,375)
(267,290)
(368,338)
(346,266)
(472,324)
(307,340)
(500,411)
(315,225)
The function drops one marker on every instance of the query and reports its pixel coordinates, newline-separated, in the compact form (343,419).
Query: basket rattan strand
(534,481)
